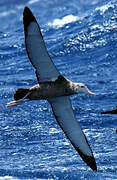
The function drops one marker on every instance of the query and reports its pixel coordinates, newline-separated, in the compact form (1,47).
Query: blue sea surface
(81,37)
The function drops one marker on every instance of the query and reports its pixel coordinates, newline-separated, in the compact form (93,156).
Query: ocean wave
(7,13)
(8,178)
(65,20)
(105,8)
(33,1)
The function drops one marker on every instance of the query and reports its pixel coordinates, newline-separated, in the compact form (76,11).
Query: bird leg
(17,102)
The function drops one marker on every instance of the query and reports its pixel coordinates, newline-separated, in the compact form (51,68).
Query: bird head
(82,88)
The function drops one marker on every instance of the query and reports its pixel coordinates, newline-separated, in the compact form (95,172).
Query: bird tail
(19,97)
(20,93)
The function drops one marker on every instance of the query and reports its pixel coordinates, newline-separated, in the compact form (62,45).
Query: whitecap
(104,8)
(6,13)
(65,20)
(8,178)
(32,1)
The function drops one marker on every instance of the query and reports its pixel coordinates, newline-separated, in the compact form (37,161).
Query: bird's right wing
(36,50)
(65,117)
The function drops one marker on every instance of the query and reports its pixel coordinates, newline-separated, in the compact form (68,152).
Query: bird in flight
(53,87)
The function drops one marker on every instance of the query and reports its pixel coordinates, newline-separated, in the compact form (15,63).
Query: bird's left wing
(65,117)
(36,49)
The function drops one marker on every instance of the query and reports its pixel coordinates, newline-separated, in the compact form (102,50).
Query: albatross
(53,87)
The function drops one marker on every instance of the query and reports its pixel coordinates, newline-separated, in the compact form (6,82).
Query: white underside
(63,110)
(39,55)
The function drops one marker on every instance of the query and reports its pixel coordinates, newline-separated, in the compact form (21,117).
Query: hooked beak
(89,92)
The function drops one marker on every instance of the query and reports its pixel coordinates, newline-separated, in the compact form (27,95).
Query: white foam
(65,20)
(6,13)
(33,1)
(8,178)
(104,8)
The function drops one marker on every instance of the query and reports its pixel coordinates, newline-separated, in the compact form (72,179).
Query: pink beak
(89,92)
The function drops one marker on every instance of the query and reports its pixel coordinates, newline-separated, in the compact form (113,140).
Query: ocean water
(81,37)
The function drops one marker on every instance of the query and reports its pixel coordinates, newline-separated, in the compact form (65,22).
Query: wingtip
(26,8)
(91,163)
(28,17)
(89,160)
(28,14)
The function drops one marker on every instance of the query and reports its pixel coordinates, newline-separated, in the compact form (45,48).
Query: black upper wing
(65,117)
(36,50)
